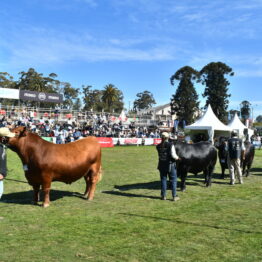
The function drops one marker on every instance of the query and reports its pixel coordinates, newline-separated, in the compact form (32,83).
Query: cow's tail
(100,174)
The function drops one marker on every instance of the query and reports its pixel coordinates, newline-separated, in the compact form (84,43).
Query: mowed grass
(127,221)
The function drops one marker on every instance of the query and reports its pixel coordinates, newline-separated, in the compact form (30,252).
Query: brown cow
(45,162)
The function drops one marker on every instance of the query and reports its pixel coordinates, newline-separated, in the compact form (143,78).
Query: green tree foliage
(216,91)
(112,98)
(70,95)
(259,119)
(34,81)
(245,109)
(144,100)
(77,104)
(184,103)
(92,99)
(6,80)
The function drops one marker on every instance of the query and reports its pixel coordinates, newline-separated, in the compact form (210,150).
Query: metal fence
(58,114)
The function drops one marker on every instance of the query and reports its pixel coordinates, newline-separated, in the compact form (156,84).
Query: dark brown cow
(45,162)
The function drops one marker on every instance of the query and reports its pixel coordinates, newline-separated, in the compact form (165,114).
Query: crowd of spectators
(68,130)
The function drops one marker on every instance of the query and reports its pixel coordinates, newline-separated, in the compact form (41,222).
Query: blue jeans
(173,179)
(1,187)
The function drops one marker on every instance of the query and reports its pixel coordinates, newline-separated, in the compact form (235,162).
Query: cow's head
(7,136)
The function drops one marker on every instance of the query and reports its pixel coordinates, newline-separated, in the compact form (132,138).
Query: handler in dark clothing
(166,166)
(236,151)
(4,132)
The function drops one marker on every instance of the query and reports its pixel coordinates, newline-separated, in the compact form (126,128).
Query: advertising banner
(149,141)
(131,141)
(9,93)
(105,141)
(157,141)
(40,96)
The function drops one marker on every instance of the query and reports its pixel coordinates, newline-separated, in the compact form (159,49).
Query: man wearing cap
(236,150)
(166,165)
(4,132)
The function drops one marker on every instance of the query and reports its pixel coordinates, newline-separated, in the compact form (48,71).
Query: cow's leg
(208,175)
(46,186)
(36,194)
(208,179)
(183,181)
(94,176)
(88,185)
(248,169)
(244,171)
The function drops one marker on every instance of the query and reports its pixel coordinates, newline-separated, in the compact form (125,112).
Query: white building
(159,115)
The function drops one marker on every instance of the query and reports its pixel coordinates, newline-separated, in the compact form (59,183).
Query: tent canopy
(236,124)
(209,123)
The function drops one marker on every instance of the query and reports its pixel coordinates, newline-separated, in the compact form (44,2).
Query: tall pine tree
(216,91)
(184,103)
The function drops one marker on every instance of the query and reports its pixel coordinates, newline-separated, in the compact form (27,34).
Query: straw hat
(165,135)
(4,131)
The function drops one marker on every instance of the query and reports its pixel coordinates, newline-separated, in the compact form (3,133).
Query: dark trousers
(173,179)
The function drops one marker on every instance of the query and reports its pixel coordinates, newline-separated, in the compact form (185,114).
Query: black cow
(201,156)
(222,156)
(246,162)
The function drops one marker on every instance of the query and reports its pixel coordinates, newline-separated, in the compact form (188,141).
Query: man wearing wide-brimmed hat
(166,165)
(4,132)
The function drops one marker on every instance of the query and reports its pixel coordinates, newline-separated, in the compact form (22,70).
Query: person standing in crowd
(4,132)
(166,165)
(236,151)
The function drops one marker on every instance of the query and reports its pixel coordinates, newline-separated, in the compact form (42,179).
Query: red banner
(131,141)
(157,141)
(105,141)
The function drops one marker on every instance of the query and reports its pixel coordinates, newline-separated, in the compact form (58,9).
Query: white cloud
(39,46)
(249,73)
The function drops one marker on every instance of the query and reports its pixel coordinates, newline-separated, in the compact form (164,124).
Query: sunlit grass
(127,221)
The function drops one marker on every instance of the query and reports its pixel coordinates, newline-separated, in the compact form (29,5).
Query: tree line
(184,103)
(109,99)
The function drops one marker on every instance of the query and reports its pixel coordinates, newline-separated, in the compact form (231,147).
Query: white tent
(237,125)
(209,124)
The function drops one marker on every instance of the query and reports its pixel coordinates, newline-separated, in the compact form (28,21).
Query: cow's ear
(23,132)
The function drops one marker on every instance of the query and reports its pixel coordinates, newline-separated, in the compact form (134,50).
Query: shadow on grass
(26,197)
(148,185)
(193,223)
(119,193)
(154,185)
(256,171)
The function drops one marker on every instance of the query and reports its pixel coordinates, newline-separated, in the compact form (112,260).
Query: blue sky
(135,44)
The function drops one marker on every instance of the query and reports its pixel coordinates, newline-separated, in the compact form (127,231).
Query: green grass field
(127,221)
